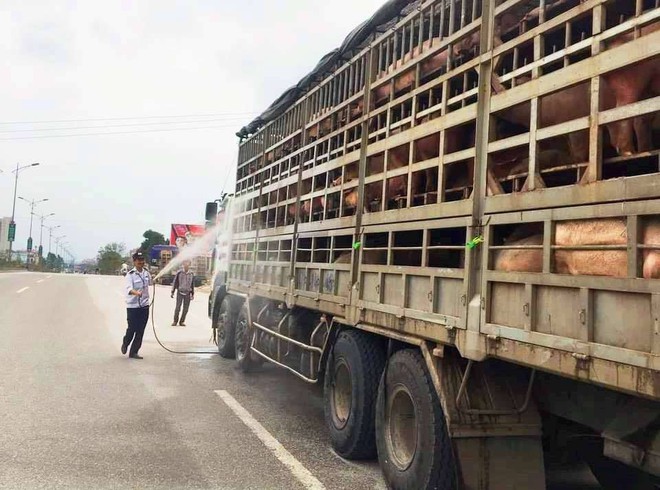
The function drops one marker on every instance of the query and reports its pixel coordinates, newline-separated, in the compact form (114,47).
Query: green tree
(51,260)
(110,258)
(151,238)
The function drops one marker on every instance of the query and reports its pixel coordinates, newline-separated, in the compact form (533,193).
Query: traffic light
(41,251)
(11,235)
(29,245)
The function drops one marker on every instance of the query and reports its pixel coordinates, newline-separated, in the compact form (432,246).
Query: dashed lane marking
(23,289)
(40,281)
(303,475)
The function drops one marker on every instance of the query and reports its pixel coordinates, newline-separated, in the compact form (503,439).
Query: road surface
(78,414)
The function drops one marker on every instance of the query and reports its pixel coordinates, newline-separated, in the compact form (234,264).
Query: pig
(406,80)
(631,84)
(315,205)
(612,263)
(570,103)
(308,207)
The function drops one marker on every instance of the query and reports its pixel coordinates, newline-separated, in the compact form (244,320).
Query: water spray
(200,245)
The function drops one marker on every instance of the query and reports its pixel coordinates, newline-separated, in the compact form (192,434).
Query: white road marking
(40,280)
(48,277)
(303,475)
(23,289)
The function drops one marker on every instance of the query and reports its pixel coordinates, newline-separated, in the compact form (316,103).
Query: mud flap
(495,447)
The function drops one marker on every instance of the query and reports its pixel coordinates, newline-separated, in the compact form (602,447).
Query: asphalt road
(75,413)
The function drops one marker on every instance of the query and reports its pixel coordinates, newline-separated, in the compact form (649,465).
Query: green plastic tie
(357,245)
(475,241)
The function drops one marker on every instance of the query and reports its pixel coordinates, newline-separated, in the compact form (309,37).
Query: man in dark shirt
(184,282)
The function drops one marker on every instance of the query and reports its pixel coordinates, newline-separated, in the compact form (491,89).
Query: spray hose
(153,327)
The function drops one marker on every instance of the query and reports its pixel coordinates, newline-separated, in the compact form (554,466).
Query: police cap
(138,255)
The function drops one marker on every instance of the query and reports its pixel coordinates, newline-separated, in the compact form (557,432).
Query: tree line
(111,256)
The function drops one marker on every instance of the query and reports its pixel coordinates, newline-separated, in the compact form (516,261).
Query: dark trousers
(137,321)
(185,299)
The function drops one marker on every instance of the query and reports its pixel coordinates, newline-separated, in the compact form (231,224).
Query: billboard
(183,235)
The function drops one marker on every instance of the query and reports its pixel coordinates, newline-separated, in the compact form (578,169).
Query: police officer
(138,281)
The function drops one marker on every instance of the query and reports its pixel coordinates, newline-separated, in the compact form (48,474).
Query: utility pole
(12,224)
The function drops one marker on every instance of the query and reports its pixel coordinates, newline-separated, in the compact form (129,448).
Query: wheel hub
(342,394)
(402,427)
(222,322)
(241,339)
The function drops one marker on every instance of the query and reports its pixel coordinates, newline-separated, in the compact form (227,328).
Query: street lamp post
(13,209)
(32,204)
(58,239)
(41,231)
(50,235)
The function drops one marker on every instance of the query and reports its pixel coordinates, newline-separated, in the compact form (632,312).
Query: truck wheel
(349,394)
(243,339)
(225,325)
(414,448)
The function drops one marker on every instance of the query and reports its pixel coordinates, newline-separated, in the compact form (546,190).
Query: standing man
(137,305)
(184,281)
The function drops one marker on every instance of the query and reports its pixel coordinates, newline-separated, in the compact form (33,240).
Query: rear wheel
(245,359)
(349,395)
(225,326)
(414,448)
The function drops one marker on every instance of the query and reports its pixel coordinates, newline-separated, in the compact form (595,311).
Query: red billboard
(183,235)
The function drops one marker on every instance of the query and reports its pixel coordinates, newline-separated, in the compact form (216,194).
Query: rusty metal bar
(388,54)
(479,411)
(451,16)
(380,58)
(441,33)
(431,21)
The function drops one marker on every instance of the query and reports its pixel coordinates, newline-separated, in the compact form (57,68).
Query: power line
(133,117)
(103,126)
(112,132)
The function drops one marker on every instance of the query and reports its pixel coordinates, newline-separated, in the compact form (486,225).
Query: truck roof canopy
(389,13)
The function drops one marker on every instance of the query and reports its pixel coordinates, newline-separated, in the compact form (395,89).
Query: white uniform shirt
(139,281)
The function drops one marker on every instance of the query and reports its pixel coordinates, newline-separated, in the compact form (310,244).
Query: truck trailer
(453,224)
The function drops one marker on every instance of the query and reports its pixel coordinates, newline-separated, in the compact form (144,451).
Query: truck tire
(414,448)
(349,393)
(225,325)
(243,339)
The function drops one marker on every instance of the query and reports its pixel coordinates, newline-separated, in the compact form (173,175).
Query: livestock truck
(453,223)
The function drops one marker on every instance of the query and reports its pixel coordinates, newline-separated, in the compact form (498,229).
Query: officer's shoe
(124,348)
(135,356)
(174,324)
(181,324)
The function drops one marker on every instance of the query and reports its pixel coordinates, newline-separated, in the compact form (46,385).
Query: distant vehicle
(124,269)
(159,257)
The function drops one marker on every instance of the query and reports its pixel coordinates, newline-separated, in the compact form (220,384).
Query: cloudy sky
(90,66)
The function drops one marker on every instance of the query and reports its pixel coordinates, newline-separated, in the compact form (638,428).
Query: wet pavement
(78,414)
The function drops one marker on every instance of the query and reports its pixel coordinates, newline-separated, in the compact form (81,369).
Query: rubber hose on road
(153,326)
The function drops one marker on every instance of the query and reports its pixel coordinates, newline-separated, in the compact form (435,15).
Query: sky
(90,66)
